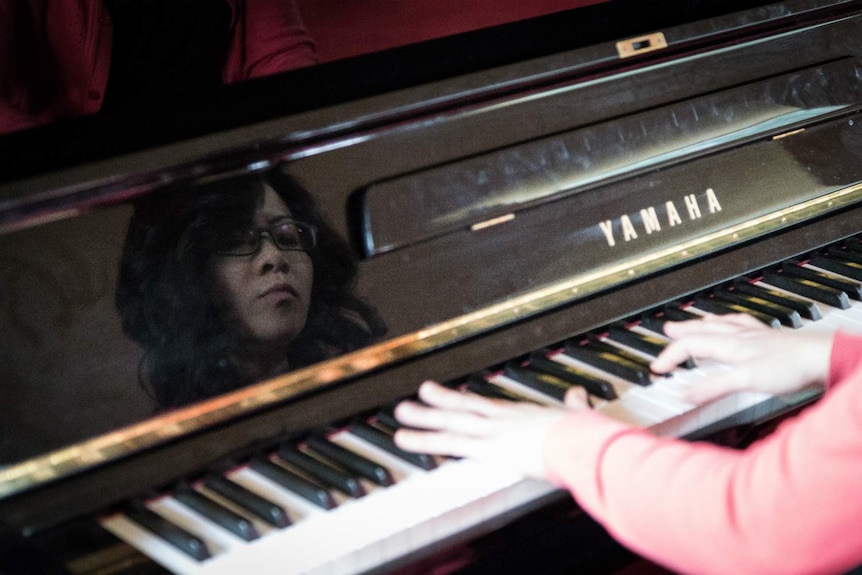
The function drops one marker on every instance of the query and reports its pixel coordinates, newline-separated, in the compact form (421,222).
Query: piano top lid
(56,173)
(267,118)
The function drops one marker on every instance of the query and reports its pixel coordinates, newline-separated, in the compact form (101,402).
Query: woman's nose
(269,257)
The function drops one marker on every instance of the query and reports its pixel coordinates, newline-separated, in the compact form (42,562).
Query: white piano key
(628,349)
(662,394)
(708,414)
(523,390)
(628,410)
(649,332)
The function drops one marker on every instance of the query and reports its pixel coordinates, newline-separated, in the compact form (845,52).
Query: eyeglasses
(286,234)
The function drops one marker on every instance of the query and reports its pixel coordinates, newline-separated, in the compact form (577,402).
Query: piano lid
(98,218)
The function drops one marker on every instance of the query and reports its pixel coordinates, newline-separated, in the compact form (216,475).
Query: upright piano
(526,205)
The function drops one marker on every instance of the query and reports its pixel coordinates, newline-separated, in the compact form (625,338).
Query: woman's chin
(277,338)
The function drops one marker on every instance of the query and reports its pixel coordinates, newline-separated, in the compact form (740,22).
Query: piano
(525,204)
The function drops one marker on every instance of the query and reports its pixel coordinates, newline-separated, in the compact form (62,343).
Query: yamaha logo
(649,220)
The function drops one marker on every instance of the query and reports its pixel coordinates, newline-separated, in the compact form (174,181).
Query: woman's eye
(237,240)
(287,235)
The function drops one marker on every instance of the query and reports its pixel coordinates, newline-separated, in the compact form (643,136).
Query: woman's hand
(502,433)
(762,359)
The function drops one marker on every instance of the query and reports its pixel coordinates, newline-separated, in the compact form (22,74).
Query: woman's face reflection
(265,295)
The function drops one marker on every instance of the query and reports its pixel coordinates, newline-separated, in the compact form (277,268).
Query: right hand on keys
(507,434)
(762,359)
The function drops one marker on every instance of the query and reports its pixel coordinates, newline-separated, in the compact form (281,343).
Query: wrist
(818,353)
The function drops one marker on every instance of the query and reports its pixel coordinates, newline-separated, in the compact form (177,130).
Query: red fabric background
(378,24)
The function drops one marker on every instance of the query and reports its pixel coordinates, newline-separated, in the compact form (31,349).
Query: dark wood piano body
(517,122)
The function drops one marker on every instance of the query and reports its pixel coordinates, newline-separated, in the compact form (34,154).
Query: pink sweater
(791,503)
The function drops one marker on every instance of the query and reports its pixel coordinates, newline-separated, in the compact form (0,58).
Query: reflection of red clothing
(267,36)
(789,504)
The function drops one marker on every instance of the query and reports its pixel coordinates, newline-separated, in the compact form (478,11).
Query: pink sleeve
(268,37)
(846,357)
(789,504)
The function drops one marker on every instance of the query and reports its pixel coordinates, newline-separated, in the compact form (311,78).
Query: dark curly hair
(165,301)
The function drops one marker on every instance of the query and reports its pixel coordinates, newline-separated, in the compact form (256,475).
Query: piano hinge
(790,133)
(641,45)
(492,222)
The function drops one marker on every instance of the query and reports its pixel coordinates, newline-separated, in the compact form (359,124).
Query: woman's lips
(280,292)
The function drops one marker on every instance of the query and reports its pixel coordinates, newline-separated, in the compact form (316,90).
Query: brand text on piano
(651,222)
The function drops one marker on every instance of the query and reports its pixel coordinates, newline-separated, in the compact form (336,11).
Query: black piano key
(385,441)
(678,312)
(804,308)
(326,474)
(602,345)
(216,512)
(808,288)
(787,316)
(845,254)
(646,344)
(643,343)
(480,386)
(838,266)
(723,308)
(853,289)
(544,383)
(293,482)
(853,244)
(655,321)
(356,463)
(573,375)
(252,502)
(599,357)
(386,416)
(173,534)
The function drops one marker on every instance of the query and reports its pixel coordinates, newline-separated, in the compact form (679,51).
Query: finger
(435,442)
(700,346)
(710,388)
(671,356)
(577,398)
(674,329)
(463,422)
(737,319)
(438,396)
(712,324)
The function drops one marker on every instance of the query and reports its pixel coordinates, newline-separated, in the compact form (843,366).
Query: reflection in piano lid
(491,224)
(144,309)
